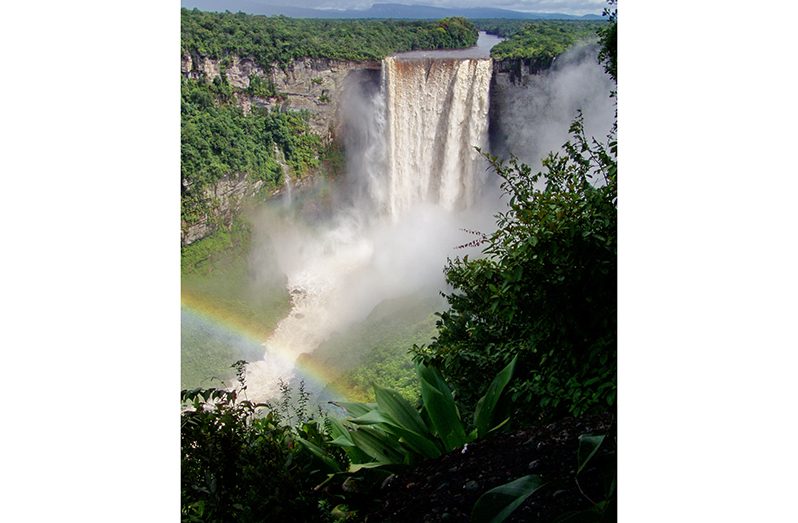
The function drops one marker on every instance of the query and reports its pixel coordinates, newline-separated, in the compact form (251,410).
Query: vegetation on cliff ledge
(218,139)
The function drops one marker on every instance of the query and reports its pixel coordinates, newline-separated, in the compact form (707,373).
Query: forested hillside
(279,40)
(218,139)
(538,42)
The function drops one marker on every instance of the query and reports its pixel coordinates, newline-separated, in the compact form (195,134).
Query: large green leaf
(588,446)
(399,410)
(443,415)
(321,454)
(377,444)
(435,379)
(355,409)
(343,438)
(495,505)
(420,444)
(338,431)
(372,417)
(342,441)
(360,466)
(483,415)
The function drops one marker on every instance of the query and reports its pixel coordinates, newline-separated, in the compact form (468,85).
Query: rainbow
(224,320)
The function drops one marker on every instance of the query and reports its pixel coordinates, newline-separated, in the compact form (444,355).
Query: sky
(575,7)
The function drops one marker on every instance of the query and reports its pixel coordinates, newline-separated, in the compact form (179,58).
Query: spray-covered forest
(499,407)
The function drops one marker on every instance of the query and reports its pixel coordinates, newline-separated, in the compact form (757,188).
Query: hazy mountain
(375,11)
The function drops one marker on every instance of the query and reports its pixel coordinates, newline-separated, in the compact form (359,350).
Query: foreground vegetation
(374,351)
(545,291)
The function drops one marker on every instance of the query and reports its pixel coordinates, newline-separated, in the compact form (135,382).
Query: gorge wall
(315,85)
(312,84)
(320,86)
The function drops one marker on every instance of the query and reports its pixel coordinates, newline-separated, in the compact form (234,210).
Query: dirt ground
(445,489)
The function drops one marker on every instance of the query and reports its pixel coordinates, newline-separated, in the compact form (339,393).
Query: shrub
(545,290)
(240,462)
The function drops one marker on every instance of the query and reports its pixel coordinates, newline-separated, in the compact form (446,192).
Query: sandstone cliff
(312,84)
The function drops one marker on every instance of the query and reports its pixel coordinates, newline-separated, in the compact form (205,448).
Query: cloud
(578,7)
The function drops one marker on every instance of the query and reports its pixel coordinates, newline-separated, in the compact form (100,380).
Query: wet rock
(471,486)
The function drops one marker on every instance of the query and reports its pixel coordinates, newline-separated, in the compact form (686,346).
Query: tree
(545,290)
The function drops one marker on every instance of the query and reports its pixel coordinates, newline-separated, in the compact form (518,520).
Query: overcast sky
(576,7)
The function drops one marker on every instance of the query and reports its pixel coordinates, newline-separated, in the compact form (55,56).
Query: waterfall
(436,112)
(288,200)
(413,167)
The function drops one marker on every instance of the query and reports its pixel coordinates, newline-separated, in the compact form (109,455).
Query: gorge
(413,184)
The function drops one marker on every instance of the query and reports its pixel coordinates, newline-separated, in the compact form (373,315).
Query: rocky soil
(445,489)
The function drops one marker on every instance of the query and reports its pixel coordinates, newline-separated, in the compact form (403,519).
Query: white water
(436,112)
(288,198)
(414,162)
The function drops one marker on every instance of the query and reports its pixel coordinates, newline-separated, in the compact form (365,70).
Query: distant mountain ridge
(377,10)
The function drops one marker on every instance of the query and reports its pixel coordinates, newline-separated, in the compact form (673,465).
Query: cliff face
(514,72)
(312,84)
(315,85)
(227,196)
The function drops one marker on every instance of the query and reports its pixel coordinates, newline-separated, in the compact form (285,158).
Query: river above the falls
(482,50)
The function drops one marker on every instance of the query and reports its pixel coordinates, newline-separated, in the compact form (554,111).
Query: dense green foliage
(545,290)
(540,42)
(375,351)
(280,40)
(504,27)
(608,37)
(394,432)
(217,139)
(240,462)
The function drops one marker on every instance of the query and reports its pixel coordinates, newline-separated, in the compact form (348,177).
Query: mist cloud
(532,120)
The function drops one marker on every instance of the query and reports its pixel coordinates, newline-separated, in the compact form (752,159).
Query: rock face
(514,72)
(315,85)
(227,196)
(312,84)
